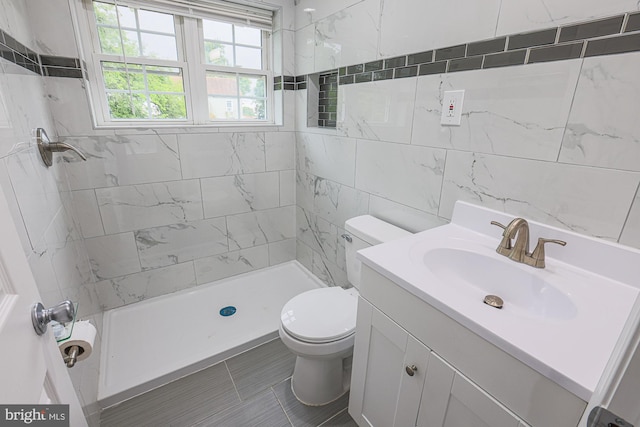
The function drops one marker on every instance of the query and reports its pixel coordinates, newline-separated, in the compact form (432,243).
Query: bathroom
(158,209)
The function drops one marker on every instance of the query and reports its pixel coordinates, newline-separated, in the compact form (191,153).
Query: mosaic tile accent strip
(289,82)
(44,65)
(59,66)
(328,99)
(14,51)
(605,36)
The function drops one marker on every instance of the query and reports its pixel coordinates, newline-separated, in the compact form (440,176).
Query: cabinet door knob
(411,370)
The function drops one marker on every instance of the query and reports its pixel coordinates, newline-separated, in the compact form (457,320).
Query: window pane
(135,85)
(110,40)
(157,46)
(158,22)
(248,57)
(223,108)
(128,106)
(127,17)
(252,109)
(250,36)
(140,106)
(168,106)
(164,79)
(105,14)
(130,41)
(218,53)
(222,84)
(217,31)
(252,86)
(120,105)
(119,77)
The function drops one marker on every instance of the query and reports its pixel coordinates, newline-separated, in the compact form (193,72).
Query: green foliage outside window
(132,88)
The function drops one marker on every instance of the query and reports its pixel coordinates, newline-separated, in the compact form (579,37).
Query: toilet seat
(321,315)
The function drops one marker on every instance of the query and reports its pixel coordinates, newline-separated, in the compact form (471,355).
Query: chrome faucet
(519,252)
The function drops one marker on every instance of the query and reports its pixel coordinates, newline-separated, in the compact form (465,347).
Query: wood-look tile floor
(250,389)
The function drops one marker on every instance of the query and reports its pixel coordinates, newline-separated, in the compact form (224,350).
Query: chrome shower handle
(47,148)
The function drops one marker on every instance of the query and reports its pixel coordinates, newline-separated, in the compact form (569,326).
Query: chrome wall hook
(47,148)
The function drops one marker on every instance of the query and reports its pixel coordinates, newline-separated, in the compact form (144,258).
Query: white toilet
(318,326)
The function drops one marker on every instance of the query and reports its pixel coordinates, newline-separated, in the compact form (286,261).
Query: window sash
(190,47)
(207,9)
(146,92)
(239,97)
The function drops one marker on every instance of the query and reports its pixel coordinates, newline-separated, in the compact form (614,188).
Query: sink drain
(494,301)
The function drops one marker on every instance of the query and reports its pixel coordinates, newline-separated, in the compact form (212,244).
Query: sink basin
(476,275)
(563,321)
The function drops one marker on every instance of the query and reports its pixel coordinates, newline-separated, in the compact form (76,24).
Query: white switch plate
(452,107)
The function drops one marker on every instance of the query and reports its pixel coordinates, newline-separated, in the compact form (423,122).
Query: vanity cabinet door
(383,393)
(451,400)
(436,393)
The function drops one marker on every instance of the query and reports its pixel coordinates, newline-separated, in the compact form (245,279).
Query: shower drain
(227,311)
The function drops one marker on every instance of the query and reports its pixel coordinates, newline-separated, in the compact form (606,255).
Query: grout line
(557,39)
(413,112)
(444,168)
(625,22)
(495,29)
(635,197)
(232,381)
(280,403)
(573,98)
(337,414)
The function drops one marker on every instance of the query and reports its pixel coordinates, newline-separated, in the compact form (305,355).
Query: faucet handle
(504,248)
(504,227)
(538,253)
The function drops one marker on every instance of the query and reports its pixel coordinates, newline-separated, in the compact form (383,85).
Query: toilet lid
(321,315)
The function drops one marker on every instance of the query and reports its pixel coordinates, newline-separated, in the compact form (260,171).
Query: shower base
(148,344)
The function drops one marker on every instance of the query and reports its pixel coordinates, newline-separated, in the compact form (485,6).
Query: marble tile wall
(556,142)
(157,202)
(152,211)
(40,198)
(201,205)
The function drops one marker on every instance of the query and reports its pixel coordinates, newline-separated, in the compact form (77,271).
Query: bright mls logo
(34,415)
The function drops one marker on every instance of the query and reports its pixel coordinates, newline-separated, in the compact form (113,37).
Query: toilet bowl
(318,326)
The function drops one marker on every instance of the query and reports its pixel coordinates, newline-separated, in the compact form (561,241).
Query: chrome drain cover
(494,301)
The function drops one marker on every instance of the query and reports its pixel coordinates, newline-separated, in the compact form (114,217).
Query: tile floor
(250,389)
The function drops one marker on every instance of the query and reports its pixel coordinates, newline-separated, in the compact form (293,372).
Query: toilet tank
(366,231)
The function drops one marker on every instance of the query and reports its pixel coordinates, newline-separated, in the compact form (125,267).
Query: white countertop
(572,349)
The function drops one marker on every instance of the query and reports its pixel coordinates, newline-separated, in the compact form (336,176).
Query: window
(154,66)
(234,94)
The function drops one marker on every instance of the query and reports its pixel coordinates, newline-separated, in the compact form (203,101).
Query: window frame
(191,60)
(266,60)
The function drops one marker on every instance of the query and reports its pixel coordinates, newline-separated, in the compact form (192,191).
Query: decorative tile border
(59,66)
(607,36)
(14,51)
(328,99)
(44,65)
(289,82)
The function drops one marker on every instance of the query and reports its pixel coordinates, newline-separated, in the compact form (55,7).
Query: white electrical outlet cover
(452,107)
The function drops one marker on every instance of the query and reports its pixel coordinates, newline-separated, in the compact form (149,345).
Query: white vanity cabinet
(384,393)
(459,380)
